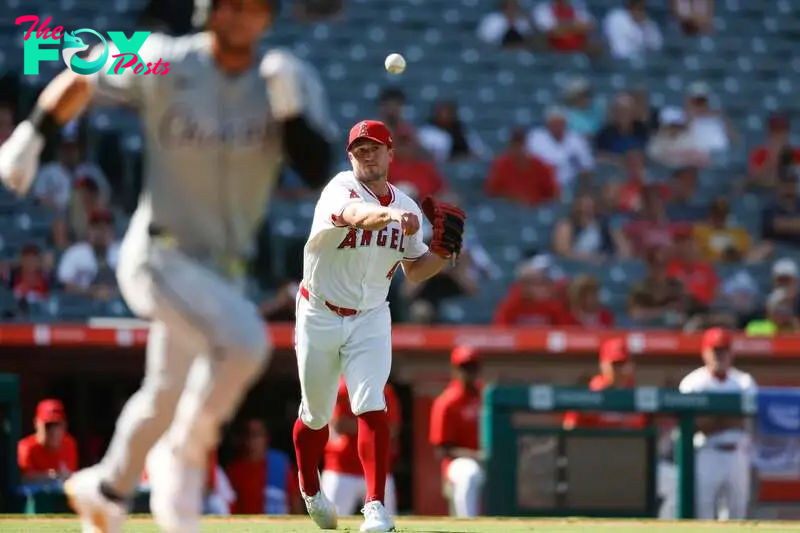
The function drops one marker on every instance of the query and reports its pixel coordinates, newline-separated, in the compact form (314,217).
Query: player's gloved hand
(281,72)
(448,227)
(409,222)
(19,157)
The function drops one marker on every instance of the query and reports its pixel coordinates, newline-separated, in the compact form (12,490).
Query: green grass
(414,525)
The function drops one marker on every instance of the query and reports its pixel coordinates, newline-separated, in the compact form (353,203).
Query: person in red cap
(616,370)
(454,433)
(363,230)
(50,453)
(343,477)
(723,442)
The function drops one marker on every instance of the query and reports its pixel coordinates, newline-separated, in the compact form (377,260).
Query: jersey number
(391,272)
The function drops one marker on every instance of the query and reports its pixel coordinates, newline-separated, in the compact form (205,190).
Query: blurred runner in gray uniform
(217,126)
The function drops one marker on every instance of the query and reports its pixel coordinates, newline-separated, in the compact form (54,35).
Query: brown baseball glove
(448,227)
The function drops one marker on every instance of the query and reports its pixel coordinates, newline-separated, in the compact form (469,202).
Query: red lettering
(391,272)
(138,68)
(382,235)
(350,240)
(395,238)
(366,237)
(58,33)
(402,247)
(121,64)
(28,18)
(166,67)
(149,69)
(158,65)
(43,30)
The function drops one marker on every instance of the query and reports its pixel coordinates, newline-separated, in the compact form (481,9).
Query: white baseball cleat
(321,510)
(176,491)
(98,514)
(376,518)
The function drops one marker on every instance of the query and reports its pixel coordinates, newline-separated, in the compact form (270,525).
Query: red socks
(309,446)
(373,450)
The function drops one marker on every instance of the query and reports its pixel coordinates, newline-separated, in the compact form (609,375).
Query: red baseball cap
(613,351)
(462,355)
(374,130)
(50,410)
(716,338)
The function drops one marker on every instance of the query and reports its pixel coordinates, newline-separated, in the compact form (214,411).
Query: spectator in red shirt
(697,276)
(651,228)
(533,300)
(454,433)
(519,176)
(264,480)
(769,161)
(584,304)
(565,23)
(343,476)
(411,168)
(28,281)
(50,454)
(616,371)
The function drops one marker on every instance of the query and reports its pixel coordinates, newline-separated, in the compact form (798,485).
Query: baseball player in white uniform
(723,443)
(363,230)
(216,127)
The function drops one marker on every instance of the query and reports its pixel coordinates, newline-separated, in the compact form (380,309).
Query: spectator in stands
(533,299)
(585,308)
(740,295)
(263,478)
(55,180)
(568,152)
(391,106)
(658,300)
(87,267)
(410,166)
(317,10)
(7,122)
(30,279)
(644,110)
(585,112)
(773,159)
(674,145)
(520,176)
(586,236)
(622,133)
(650,227)
(73,224)
(719,240)
(686,265)
(50,454)
(446,137)
(508,27)
(694,16)
(780,219)
(628,196)
(630,32)
(682,203)
(710,128)
(785,276)
(281,307)
(781,317)
(567,24)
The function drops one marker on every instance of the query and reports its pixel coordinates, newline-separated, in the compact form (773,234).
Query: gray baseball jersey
(212,147)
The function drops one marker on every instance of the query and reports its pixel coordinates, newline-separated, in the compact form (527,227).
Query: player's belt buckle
(341,311)
(161,236)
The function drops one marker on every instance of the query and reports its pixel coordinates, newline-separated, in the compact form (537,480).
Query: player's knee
(368,400)
(314,421)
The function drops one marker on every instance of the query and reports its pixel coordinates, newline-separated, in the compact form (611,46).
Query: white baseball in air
(395,63)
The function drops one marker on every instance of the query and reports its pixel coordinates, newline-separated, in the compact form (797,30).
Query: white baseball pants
(358,347)
(465,478)
(207,344)
(347,492)
(722,487)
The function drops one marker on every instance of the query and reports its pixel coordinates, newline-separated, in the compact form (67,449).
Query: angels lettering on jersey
(359,263)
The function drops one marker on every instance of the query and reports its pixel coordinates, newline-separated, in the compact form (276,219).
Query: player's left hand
(409,222)
(448,227)
(281,72)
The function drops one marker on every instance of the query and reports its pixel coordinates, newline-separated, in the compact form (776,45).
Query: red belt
(341,311)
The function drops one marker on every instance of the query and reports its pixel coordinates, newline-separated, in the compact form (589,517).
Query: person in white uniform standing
(363,230)
(723,443)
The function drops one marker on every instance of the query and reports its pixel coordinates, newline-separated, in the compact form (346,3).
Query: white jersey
(702,380)
(349,267)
